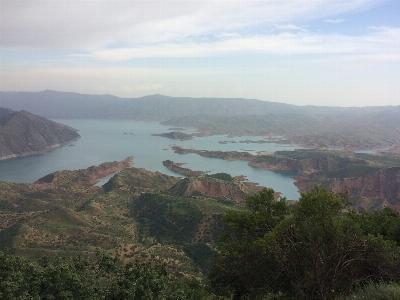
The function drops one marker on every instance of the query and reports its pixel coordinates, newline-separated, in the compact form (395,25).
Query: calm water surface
(103,141)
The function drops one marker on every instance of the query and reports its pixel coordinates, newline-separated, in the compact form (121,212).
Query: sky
(303,52)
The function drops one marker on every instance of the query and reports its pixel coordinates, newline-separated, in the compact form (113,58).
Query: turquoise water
(103,141)
(371,151)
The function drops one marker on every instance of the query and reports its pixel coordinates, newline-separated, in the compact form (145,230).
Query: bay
(103,141)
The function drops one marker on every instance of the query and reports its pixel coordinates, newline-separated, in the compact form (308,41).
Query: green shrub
(377,291)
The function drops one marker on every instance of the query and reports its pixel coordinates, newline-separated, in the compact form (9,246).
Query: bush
(374,291)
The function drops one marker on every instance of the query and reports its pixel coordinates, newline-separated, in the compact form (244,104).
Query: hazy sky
(321,52)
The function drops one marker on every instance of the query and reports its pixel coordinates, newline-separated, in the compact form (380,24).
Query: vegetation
(101,277)
(392,160)
(312,251)
(222,176)
(353,171)
(176,167)
(384,223)
(317,248)
(166,218)
(175,135)
(300,154)
(376,290)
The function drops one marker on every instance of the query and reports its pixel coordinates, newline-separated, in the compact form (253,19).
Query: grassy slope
(39,219)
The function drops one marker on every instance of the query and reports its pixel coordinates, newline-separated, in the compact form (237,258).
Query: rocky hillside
(133,214)
(303,161)
(383,184)
(23,133)
(212,187)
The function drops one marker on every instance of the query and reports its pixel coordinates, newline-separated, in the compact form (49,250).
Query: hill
(139,214)
(23,133)
(211,187)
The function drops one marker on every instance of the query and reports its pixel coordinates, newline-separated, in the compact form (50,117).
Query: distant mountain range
(313,126)
(23,133)
(52,104)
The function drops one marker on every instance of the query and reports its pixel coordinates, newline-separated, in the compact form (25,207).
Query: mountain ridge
(53,104)
(310,126)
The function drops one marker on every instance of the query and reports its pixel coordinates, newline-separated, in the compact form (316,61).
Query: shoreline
(39,152)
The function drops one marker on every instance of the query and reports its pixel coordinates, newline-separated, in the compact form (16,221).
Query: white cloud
(380,43)
(76,24)
(85,46)
(228,35)
(334,20)
(291,27)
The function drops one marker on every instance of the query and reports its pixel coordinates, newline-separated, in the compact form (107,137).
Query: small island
(226,142)
(175,135)
(225,155)
(269,141)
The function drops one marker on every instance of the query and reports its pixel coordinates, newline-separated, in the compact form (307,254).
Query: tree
(18,278)
(243,266)
(385,222)
(313,251)
(102,277)
(323,252)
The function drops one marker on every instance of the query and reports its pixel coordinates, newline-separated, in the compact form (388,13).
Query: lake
(103,141)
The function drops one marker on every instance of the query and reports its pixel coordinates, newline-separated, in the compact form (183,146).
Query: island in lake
(175,135)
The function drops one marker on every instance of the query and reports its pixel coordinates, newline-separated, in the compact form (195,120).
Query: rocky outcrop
(23,133)
(84,177)
(384,184)
(136,180)
(176,167)
(306,166)
(367,193)
(210,187)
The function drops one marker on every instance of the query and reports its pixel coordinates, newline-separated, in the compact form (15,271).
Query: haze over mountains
(314,126)
(53,104)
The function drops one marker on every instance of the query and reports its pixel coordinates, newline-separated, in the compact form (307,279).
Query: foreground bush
(311,251)
(374,291)
(103,277)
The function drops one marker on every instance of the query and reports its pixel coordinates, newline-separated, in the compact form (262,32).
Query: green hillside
(134,215)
